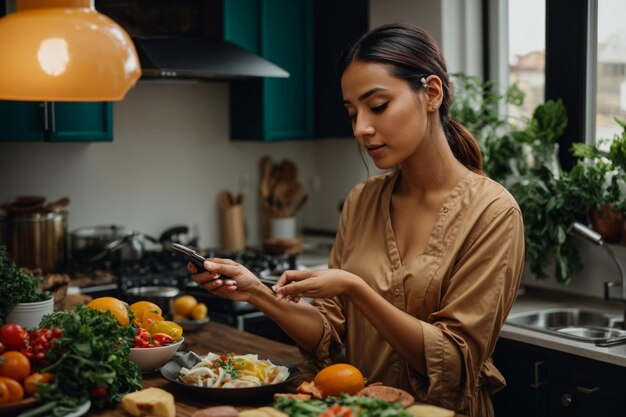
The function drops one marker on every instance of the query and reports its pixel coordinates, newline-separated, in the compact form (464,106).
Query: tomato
(15,389)
(13,336)
(338,411)
(99,392)
(14,365)
(142,338)
(32,381)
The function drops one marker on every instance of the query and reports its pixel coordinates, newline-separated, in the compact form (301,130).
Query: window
(527,53)
(610,82)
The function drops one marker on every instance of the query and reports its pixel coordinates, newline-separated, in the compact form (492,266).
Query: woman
(427,258)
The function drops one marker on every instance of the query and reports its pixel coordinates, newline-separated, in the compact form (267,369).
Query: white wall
(170,157)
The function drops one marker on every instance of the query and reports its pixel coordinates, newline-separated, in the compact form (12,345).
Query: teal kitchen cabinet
(56,121)
(281,31)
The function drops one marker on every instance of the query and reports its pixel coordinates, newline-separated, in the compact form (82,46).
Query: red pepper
(223,358)
(162,338)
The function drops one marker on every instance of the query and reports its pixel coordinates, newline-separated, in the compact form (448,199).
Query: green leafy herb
(91,354)
(17,286)
(361,405)
(227,363)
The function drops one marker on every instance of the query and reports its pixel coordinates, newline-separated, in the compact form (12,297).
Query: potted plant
(605,165)
(523,157)
(24,302)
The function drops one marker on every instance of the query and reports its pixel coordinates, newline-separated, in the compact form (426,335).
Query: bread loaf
(427,410)
(217,411)
(149,402)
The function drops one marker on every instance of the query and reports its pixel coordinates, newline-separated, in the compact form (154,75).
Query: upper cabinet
(280,31)
(56,122)
(304,37)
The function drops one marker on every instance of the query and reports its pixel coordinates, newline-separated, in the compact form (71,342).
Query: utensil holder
(233,229)
(283,228)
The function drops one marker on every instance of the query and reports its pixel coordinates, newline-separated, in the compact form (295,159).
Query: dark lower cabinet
(545,382)
(525,369)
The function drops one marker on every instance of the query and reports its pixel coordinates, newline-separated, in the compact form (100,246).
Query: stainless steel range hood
(200,59)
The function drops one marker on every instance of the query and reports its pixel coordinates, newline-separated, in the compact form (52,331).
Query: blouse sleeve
(477,297)
(332,309)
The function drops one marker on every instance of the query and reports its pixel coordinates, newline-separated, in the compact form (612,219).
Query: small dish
(152,358)
(248,395)
(190,325)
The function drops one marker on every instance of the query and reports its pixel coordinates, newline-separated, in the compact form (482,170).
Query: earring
(433,108)
(424,82)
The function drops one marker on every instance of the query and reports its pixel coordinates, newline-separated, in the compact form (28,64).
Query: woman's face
(389,118)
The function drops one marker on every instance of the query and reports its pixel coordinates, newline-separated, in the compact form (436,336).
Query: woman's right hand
(226,278)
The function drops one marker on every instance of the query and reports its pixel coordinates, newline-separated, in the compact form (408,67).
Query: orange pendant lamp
(63,50)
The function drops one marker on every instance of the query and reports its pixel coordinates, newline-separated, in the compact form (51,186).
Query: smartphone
(191,254)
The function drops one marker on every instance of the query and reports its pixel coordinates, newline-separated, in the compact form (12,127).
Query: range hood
(184,39)
(200,59)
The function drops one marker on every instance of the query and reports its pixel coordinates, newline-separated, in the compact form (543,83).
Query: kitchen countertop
(215,337)
(532,299)
(219,338)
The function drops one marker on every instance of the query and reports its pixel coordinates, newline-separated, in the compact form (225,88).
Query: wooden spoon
(266,178)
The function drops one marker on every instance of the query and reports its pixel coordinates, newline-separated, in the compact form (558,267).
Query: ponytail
(464,145)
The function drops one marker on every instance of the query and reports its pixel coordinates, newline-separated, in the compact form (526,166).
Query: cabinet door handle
(566,400)
(586,390)
(54,123)
(536,382)
(45,116)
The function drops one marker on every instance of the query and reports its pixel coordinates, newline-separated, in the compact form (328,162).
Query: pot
(117,243)
(37,239)
(161,296)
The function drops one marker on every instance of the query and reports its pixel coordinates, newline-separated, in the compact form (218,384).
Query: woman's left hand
(317,283)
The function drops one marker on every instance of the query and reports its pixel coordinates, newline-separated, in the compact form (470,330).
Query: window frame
(570,63)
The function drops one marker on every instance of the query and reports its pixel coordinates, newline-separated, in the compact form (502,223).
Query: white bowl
(152,358)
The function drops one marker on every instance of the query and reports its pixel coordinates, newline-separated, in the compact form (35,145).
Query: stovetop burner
(169,269)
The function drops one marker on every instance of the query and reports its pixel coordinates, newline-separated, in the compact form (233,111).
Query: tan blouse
(461,287)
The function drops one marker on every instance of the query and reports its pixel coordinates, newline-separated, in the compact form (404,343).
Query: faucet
(582,231)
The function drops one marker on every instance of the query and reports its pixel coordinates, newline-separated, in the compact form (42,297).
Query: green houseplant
(605,164)
(523,157)
(23,301)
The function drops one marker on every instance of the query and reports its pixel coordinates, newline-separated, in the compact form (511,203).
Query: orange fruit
(118,308)
(31,381)
(140,307)
(338,378)
(5,394)
(15,388)
(14,365)
(198,312)
(183,305)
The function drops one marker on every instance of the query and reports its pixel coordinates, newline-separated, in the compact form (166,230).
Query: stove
(169,269)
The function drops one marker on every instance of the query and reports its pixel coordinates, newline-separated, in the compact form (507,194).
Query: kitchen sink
(573,323)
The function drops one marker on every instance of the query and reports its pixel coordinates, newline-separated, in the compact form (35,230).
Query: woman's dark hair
(412,54)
